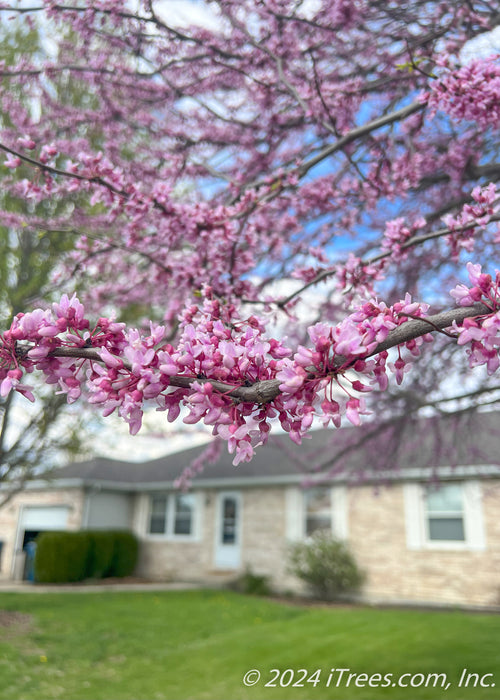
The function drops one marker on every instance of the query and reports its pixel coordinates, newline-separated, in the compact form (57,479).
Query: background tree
(33,441)
(348,149)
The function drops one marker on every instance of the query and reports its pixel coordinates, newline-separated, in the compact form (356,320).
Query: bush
(100,554)
(326,565)
(61,557)
(251,584)
(68,557)
(125,551)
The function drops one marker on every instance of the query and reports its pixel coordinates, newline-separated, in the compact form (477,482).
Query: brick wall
(265,543)
(378,539)
(377,536)
(169,559)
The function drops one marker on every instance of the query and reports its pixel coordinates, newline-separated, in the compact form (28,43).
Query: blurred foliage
(67,557)
(326,565)
(31,439)
(251,583)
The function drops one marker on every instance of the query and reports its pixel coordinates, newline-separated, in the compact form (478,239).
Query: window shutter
(141,514)
(413,516)
(198,515)
(294,514)
(473,514)
(340,521)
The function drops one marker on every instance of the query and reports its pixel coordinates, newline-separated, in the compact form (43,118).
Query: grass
(199,644)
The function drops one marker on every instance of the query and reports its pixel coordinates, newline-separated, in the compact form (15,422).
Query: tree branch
(413,241)
(266,390)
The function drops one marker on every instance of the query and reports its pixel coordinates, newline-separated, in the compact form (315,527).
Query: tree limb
(268,389)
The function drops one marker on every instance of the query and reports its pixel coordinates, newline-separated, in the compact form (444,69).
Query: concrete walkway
(155,586)
(24,587)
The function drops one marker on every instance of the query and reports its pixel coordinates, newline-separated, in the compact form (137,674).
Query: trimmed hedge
(101,548)
(67,557)
(125,550)
(61,558)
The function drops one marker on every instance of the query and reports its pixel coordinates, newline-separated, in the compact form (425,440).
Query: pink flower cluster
(357,278)
(482,331)
(336,351)
(216,354)
(396,234)
(34,337)
(486,203)
(471,93)
(211,349)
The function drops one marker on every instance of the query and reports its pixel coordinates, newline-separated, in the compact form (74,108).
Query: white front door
(228,530)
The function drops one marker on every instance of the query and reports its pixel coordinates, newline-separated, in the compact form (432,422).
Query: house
(418,503)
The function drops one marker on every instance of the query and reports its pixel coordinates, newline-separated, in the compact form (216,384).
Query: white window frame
(170,504)
(296,513)
(416,519)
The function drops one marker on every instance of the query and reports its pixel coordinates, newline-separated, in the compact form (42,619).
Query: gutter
(383,477)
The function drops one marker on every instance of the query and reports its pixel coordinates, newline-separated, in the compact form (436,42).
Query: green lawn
(199,644)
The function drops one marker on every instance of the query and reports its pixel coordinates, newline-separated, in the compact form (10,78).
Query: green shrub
(68,557)
(251,584)
(61,557)
(326,565)
(125,551)
(100,554)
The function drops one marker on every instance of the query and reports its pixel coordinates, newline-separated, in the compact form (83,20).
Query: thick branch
(361,131)
(267,390)
(416,328)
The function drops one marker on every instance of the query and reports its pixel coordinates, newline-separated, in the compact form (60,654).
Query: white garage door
(44,517)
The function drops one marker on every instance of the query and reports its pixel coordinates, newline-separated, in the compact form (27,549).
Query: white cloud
(182,13)
(481,46)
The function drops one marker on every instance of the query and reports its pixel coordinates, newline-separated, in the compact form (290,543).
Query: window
(158,519)
(183,520)
(229,520)
(318,510)
(447,517)
(445,513)
(172,515)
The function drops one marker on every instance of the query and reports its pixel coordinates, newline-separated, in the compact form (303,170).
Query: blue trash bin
(30,549)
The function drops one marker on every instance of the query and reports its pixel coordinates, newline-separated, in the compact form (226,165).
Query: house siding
(185,559)
(395,572)
(263,542)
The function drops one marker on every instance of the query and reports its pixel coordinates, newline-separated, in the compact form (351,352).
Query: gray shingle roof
(349,454)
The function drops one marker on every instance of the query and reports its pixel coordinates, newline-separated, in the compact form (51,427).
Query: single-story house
(420,509)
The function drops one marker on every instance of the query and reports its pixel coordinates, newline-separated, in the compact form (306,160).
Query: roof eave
(388,476)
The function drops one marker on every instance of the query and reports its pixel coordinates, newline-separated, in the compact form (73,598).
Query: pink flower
(109,359)
(354,409)
(291,377)
(12,162)
(470,93)
(244,452)
(400,368)
(26,142)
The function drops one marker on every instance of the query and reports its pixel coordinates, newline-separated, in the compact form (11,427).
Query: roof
(398,449)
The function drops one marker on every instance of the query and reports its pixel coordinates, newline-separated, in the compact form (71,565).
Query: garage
(33,520)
